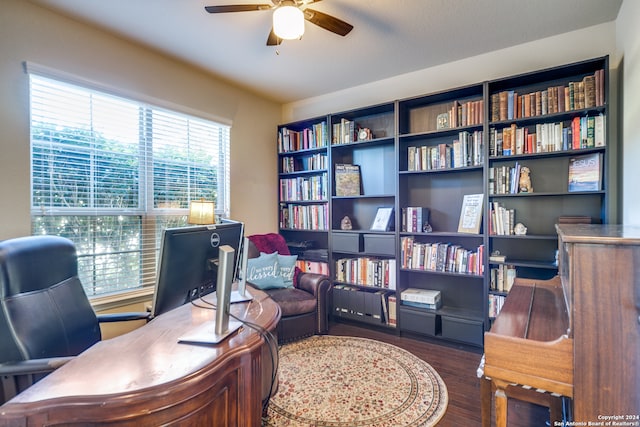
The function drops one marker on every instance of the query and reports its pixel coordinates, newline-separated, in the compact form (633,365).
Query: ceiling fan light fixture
(288,22)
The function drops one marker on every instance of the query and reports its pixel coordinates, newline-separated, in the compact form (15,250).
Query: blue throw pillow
(264,272)
(287,265)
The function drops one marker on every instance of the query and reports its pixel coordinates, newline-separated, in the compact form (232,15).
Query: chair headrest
(35,262)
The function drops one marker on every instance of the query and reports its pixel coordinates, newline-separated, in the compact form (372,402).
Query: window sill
(122,299)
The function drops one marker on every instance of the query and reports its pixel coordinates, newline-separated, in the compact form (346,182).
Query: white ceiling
(390,37)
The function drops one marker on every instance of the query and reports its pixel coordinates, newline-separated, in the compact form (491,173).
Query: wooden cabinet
(426,153)
(600,277)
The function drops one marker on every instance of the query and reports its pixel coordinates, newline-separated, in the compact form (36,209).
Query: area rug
(347,381)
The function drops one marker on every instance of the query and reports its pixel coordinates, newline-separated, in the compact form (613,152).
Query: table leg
(501,403)
(485,401)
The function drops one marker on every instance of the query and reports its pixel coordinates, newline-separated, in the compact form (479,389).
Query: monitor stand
(236,296)
(206,333)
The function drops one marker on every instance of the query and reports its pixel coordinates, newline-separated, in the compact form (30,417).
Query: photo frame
(382,221)
(471,214)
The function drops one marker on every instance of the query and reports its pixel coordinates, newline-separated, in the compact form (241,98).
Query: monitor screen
(188,261)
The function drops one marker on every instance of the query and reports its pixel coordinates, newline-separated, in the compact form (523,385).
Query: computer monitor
(189,260)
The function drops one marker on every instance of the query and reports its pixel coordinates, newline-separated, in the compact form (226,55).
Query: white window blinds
(110,173)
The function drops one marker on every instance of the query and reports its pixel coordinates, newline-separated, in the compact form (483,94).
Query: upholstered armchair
(305,307)
(45,316)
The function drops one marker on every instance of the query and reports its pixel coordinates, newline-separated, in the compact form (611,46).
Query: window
(110,173)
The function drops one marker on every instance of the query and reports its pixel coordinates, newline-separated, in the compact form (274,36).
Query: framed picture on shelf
(471,214)
(347,179)
(585,173)
(383,219)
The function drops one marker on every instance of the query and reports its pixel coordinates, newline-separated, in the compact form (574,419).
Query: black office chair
(45,315)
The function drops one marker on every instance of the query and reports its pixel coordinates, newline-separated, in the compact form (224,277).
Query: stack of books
(421,298)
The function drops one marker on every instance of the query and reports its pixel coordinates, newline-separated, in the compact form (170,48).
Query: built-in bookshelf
(539,122)
(446,129)
(392,180)
(363,255)
(303,194)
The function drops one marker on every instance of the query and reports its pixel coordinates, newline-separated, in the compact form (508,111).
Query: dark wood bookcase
(440,186)
(534,254)
(303,178)
(429,152)
(370,144)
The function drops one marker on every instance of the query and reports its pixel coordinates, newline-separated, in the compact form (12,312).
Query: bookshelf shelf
(561,153)
(549,265)
(443,170)
(430,151)
(547,194)
(444,273)
(525,237)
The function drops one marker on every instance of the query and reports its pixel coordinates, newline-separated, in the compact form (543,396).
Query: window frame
(145,211)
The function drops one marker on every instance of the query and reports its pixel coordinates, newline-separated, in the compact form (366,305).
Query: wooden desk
(146,378)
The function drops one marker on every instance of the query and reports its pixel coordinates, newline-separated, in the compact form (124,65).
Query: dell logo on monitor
(215,240)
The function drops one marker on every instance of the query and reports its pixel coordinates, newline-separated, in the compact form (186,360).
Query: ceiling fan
(300,12)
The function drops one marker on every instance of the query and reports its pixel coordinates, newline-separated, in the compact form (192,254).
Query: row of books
(581,132)
(313,267)
(505,179)
(304,217)
(501,278)
(465,114)
(465,151)
(306,188)
(586,93)
(344,132)
(367,271)
(440,256)
(313,162)
(502,220)
(495,304)
(315,136)
(414,218)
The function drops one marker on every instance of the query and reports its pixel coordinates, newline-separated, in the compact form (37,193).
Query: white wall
(550,52)
(31,33)
(628,37)
(596,41)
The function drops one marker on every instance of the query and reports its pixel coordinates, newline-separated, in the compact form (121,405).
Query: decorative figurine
(520,229)
(345,224)
(427,227)
(524,182)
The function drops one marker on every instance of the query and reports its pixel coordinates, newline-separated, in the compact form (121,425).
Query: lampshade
(201,212)
(288,22)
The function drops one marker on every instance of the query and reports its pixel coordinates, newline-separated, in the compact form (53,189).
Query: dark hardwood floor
(457,366)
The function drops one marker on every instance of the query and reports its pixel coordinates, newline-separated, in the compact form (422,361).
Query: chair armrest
(33,366)
(314,283)
(123,317)
(320,286)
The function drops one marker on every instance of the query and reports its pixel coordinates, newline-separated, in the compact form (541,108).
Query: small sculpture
(427,227)
(345,224)
(524,182)
(520,229)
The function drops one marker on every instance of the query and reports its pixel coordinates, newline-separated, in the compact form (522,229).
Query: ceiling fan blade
(328,22)
(237,8)
(273,40)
